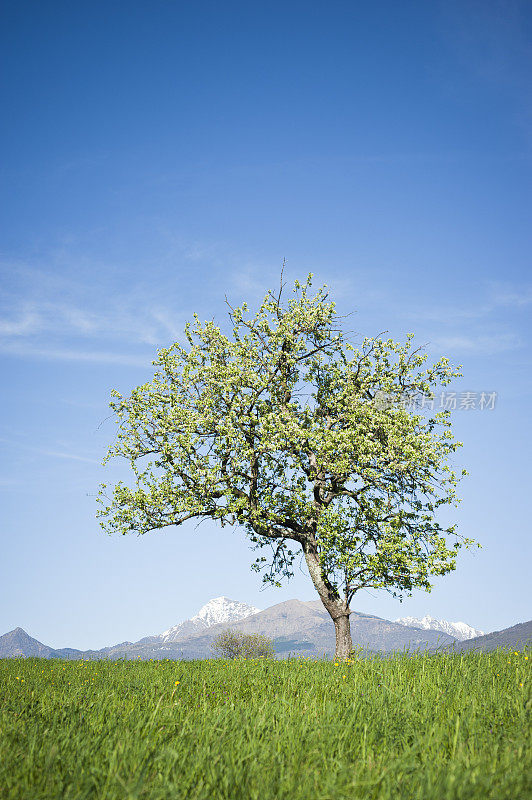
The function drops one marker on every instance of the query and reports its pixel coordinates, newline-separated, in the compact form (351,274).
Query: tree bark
(332,602)
(344,642)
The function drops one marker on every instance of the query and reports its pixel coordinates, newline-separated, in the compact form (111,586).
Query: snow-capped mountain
(460,630)
(218,610)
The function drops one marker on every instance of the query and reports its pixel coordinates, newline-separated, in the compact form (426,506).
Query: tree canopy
(352,483)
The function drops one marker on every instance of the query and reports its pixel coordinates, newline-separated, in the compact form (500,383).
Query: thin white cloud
(81,321)
(25,350)
(449,314)
(70,456)
(59,306)
(481,345)
(498,296)
(8,483)
(80,404)
(26,322)
(50,453)
(120,320)
(503,295)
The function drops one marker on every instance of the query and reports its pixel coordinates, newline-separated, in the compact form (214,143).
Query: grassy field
(422,727)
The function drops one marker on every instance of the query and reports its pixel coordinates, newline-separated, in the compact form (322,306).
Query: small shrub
(235,644)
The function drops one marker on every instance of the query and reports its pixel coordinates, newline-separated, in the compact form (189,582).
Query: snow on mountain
(460,630)
(220,609)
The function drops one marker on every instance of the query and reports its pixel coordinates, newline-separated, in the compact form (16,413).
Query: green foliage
(402,728)
(353,482)
(235,644)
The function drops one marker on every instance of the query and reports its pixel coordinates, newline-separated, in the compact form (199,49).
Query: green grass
(419,728)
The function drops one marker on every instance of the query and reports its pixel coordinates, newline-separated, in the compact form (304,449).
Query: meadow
(419,727)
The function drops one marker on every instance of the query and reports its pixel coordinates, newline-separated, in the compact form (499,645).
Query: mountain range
(296,628)
(515,637)
(458,630)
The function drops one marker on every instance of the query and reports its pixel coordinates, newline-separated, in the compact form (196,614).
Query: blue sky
(159,156)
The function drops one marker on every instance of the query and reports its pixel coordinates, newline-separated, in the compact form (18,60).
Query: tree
(351,480)
(235,644)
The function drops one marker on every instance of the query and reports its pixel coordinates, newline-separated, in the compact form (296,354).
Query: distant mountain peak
(222,609)
(460,630)
(19,643)
(215,611)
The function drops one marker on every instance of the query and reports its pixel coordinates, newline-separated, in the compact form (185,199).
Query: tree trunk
(334,604)
(344,643)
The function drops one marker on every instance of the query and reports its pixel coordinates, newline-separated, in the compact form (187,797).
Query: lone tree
(352,480)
